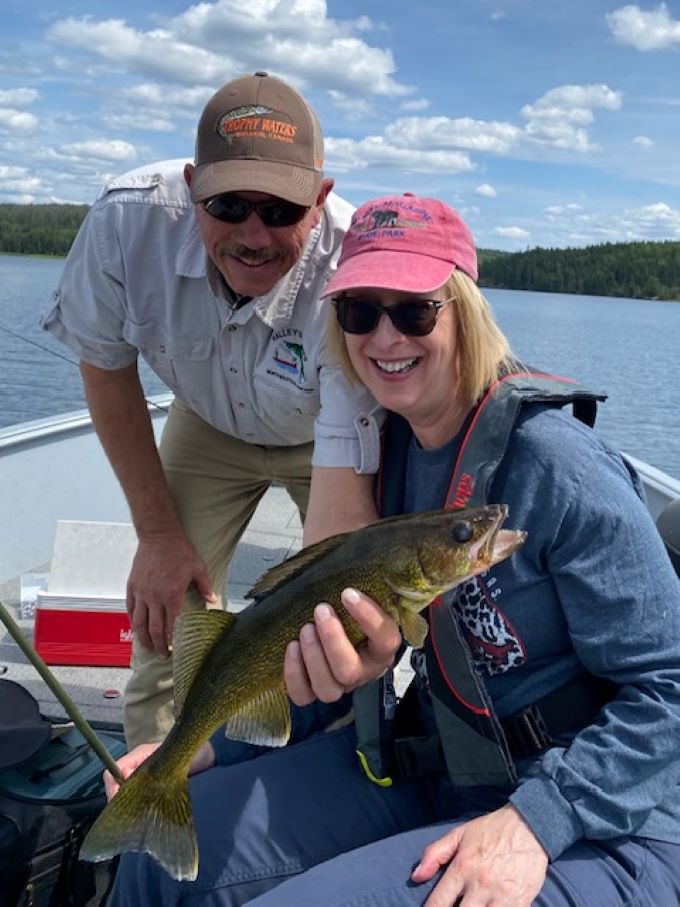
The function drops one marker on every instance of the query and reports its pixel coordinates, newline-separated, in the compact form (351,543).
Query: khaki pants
(217,482)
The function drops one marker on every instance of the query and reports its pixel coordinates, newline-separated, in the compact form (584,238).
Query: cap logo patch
(255,121)
(389,221)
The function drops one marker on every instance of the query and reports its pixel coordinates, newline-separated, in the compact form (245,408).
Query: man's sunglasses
(232,209)
(415,317)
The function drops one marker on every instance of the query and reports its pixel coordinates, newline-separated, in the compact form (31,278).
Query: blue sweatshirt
(592,587)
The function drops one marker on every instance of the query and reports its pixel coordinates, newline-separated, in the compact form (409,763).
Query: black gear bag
(51,791)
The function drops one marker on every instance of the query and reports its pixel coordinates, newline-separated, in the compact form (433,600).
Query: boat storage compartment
(80,619)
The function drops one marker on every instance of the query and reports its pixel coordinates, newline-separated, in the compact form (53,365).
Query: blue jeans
(302,826)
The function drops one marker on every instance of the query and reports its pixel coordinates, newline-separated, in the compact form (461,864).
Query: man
(213,274)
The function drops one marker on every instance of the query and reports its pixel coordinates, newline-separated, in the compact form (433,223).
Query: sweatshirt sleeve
(621,600)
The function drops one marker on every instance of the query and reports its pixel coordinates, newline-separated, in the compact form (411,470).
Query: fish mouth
(497,544)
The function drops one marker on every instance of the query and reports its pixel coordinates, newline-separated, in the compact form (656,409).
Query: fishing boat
(54,471)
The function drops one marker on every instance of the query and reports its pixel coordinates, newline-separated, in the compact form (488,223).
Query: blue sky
(545,124)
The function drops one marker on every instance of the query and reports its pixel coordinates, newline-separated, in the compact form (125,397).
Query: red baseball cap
(403,242)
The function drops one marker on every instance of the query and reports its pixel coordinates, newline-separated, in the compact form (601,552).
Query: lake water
(629,348)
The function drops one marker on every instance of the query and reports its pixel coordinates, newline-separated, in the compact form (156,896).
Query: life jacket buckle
(527,732)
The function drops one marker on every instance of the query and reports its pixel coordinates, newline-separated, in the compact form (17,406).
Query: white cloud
(16,120)
(18,97)
(415,105)
(486,190)
(443,132)
(644,29)
(103,149)
(658,214)
(139,122)
(11,172)
(153,95)
(17,199)
(349,154)
(353,108)
(295,37)
(154,53)
(644,141)
(29,184)
(570,208)
(511,232)
(558,118)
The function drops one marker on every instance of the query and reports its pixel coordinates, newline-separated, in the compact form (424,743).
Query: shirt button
(233,370)
(298,411)
(162,349)
(233,327)
(364,421)
(241,406)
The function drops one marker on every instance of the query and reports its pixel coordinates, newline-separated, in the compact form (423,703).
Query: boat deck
(273,535)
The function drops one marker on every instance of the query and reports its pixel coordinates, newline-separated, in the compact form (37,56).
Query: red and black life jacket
(472,745)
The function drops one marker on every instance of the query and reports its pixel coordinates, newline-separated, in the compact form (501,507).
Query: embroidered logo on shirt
(289,358)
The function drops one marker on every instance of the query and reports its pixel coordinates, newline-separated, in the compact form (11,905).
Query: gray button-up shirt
(138,280)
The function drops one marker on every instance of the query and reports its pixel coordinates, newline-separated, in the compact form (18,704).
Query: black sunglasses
(232,209)
(415,317)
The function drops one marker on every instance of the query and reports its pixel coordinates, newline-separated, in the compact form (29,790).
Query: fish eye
(462,532)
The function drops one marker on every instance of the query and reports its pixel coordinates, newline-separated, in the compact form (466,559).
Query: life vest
(472,745)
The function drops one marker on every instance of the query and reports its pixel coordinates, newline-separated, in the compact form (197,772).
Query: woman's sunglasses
(232,209)
(415,317)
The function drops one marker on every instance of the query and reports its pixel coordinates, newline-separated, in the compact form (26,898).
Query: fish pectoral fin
(413,627)
(196,632)
(264,721)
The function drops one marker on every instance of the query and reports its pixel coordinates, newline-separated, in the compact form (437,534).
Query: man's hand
(163,569)
(204,759)
(492,860)
(323,664)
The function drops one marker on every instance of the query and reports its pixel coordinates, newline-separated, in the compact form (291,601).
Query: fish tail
(152,814)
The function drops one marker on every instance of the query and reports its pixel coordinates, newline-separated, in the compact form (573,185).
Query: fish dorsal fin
(413,627)
(264,721)
(294,565)
(195,634)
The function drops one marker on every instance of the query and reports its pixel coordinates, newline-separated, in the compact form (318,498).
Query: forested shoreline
(638,270)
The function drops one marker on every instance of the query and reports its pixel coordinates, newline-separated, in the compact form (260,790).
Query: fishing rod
(69,705)
(74,362)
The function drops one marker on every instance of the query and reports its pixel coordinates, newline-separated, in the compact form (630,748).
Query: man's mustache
(251,256)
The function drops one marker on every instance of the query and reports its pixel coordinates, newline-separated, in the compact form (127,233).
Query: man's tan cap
(257,134)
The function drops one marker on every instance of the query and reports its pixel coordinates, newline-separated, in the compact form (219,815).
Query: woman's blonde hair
(483,349)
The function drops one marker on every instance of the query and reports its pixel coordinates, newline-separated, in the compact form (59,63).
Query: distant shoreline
(627,270)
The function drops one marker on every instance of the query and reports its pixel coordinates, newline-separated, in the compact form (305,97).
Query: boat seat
(668,524)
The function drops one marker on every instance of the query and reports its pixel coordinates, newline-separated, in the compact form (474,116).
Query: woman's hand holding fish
(323,664)
(162,570)
(204,759)
(493,859)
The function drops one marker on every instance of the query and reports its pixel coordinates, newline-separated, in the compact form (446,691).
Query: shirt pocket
(292,410)
(184,363)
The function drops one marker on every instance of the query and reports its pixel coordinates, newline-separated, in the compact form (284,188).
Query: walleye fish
(229,668)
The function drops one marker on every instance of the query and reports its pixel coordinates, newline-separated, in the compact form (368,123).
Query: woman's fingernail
(322,612)
(351,595)
(308,633)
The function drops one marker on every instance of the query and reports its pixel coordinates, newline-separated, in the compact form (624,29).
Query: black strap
(567,709)
(543,724)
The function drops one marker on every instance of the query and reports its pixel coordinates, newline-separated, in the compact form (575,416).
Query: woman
(575,638)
